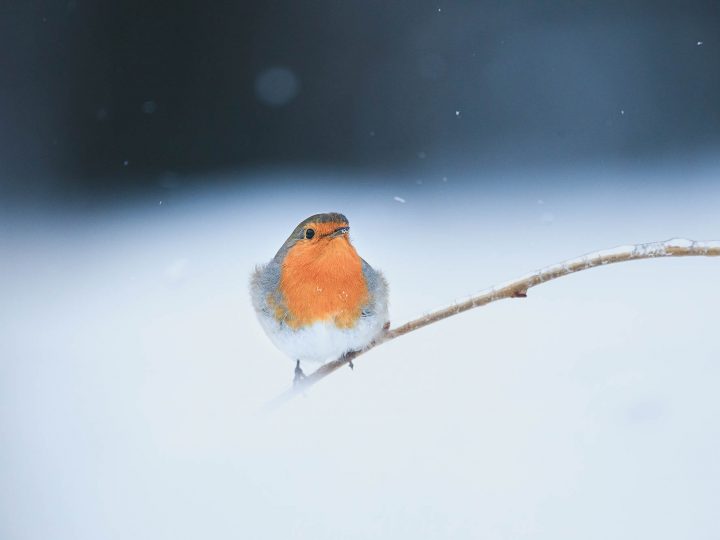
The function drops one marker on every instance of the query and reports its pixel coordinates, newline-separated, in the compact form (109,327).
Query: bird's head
(316,235)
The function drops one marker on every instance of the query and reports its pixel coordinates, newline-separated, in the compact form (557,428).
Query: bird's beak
(339,232)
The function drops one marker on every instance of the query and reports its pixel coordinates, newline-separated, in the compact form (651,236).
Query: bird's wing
(264,288)
(378,292)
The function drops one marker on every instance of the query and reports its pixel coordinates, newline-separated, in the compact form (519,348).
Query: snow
(679,242)
(133,372)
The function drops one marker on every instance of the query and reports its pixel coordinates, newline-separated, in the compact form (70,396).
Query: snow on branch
(518,288)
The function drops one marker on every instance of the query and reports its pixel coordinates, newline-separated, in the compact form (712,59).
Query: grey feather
(377,290)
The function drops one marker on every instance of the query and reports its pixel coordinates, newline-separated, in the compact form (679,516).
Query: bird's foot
(352,366)
(299,374)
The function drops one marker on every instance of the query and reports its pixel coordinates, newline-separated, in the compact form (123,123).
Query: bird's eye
(309,233)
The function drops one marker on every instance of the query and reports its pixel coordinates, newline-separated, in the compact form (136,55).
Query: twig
(518,288)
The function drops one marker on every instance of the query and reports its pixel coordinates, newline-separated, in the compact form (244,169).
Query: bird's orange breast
(323,281)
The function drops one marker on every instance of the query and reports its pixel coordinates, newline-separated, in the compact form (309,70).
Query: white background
(133,372)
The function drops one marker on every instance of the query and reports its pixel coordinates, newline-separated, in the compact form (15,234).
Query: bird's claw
(299,374)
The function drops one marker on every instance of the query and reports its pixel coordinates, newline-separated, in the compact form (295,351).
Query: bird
(317,299)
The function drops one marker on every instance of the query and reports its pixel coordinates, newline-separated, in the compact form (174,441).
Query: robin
(317,299)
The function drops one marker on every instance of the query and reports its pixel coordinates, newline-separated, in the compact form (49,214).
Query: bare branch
(518,289)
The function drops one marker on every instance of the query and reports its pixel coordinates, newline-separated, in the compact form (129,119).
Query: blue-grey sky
(111,97)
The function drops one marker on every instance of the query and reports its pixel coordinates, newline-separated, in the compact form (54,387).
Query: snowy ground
(133,372)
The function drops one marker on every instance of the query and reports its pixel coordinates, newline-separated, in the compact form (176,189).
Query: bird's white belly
(321,341)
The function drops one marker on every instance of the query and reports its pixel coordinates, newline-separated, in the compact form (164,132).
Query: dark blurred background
(102,96)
